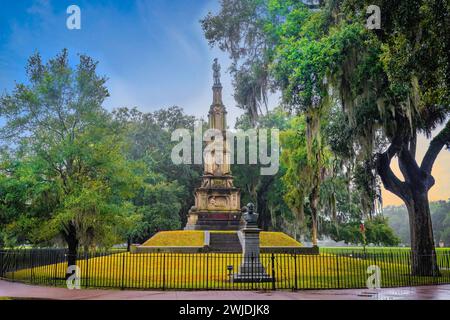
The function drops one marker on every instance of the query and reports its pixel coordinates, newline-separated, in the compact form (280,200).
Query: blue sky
(152,51)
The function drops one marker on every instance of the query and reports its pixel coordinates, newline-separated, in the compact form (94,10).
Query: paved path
(20,290)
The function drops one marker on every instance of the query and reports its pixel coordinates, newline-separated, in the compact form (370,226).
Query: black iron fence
(220,271)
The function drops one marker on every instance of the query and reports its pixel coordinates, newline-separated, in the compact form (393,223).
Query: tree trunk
(313,204)
(414,192)
(261,195)
(423,254)
(265,219)
(128,243)
(72,244)
(314,230)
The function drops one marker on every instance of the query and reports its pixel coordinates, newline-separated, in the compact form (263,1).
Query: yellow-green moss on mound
(277,239)
(181,238)
(194,238)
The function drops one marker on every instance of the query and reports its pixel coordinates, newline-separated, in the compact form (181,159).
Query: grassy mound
(277,239)
(181,238)
(191,238)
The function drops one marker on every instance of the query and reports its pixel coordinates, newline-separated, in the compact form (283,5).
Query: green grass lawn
(209,271)
(443,254)
(375,249)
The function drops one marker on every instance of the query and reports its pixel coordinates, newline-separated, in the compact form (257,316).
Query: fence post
(337,271)
(207,280)
(122,286)
(295,272)
(435,265)
(273,271)
(55,269)
(87,269)
(164,272)
(376,264)
(448,264)
(32,266)
(407,257)
(14,265)
(254,276)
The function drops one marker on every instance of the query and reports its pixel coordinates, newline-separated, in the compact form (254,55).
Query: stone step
(224,242)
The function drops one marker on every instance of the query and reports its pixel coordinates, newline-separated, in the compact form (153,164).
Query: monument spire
(217,201)
(217,112)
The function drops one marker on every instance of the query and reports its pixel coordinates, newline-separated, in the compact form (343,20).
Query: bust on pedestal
(251,269)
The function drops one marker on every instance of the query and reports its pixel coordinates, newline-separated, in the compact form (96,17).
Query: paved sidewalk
(20,290)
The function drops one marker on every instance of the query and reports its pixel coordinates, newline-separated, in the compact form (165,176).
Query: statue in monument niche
(217,201)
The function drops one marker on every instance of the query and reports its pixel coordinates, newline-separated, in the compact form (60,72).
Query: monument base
(243,278)
(251,272)
(230,220)
(251,269)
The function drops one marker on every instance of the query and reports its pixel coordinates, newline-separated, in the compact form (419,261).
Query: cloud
(41,8)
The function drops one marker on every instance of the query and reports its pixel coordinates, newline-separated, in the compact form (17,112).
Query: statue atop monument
(217,104)
(216,73)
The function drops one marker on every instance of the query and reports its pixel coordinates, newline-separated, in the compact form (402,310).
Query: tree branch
(409,167)
(436,145)
(389,179)
(413,144)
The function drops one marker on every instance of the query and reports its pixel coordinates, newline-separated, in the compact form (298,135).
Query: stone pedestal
(251,269)
(217,205)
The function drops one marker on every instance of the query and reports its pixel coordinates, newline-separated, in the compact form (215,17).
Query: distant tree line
(440,217)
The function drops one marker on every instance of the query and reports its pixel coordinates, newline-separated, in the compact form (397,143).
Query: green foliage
(265,191)
(80,174)
(68,155)
(166,202)
(294,159)
(378,232)
(159,210)
(390,84)
(306,168)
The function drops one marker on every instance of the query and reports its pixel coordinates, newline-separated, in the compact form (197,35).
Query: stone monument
(251,269)
(217,207)
(217,201)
